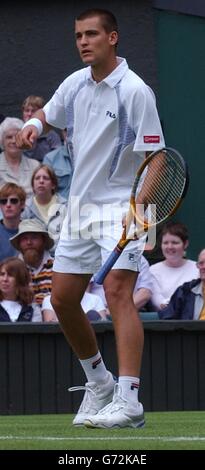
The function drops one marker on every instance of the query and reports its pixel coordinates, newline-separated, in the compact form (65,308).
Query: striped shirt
(41,278)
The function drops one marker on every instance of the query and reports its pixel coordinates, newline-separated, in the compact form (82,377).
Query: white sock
(94,368)
(130,387)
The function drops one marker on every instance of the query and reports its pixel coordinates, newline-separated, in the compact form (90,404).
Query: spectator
(33,242)
(142,291)
(61,162)
(12,202)
(143,287)
(45,205)
(46,142)
(92,305)
(175,269)
(16,296)
(188,301)
(15,167)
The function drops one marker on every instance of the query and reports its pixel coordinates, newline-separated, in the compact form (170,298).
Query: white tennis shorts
(86,253)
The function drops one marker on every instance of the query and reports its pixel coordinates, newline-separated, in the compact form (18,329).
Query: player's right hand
(26,137)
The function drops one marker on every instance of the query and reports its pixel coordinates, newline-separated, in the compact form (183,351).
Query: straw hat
(34,226)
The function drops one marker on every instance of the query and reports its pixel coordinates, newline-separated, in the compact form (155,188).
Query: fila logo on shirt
(112,115)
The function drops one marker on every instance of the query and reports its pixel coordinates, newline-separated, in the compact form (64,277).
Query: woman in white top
(16,295)
(169,274)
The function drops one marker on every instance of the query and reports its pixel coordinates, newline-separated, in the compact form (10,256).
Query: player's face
(94,44)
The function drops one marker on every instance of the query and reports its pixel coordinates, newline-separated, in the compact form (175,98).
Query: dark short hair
(176,228)
(33,100)
(108,20)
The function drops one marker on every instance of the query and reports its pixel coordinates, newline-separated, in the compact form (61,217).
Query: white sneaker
(96,397)
(118,414)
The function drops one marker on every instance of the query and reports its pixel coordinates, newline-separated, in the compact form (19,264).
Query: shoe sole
(89,424)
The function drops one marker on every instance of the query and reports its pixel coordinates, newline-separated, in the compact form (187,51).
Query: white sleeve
(37,317)
(46,304)
(144,279)
(55,109)
(157,298)
(149,135)
(92,302)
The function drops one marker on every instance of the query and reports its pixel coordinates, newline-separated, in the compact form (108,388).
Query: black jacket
(25,314)
(181,305)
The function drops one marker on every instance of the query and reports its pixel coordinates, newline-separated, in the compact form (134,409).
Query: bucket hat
(34,226)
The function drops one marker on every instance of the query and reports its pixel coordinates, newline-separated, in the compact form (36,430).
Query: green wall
(181,65)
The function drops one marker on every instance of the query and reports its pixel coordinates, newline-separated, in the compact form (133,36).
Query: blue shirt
(6,248)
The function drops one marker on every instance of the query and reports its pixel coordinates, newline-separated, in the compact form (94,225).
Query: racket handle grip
(106,267)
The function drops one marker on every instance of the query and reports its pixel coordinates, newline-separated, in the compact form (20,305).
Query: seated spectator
(188,301)
(142,291)
(12,202)
(46,142)
(15,167)
(167,275)
(48,313)
(60,160)
(143,287)
(33,242)
(92,305)
(16,296)
(45,205)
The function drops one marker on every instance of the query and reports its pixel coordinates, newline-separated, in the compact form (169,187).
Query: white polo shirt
(110,126)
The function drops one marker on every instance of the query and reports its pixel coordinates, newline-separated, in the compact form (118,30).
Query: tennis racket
(159,187)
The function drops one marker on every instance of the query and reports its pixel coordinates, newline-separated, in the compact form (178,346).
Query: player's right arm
(32,129)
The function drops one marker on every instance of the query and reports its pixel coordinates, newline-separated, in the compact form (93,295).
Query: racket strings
(163,185)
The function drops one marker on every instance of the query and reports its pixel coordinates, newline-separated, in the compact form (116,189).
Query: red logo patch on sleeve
(151,139)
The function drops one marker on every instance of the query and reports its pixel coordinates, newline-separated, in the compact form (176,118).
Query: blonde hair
(35,101)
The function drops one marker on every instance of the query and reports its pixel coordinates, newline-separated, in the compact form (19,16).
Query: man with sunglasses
(12,202)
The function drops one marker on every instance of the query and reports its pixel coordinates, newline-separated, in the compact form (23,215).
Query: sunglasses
(10,200)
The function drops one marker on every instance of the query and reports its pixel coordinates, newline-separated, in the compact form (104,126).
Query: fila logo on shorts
(151,139)
(131,257)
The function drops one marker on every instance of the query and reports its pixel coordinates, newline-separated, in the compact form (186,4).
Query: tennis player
(112,121)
